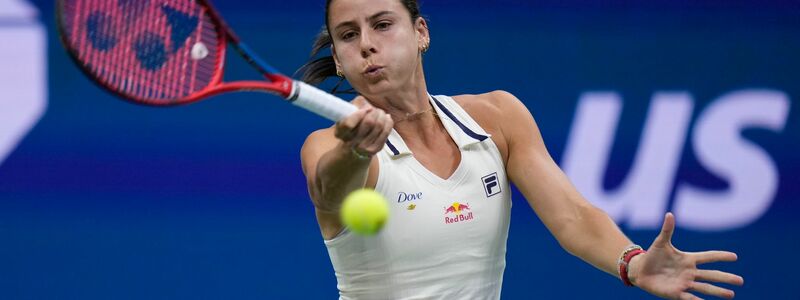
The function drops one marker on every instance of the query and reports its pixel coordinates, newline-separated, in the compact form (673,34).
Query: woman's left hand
(669,273)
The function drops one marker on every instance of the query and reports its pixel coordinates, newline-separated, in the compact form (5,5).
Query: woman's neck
(412,111)
(407,99)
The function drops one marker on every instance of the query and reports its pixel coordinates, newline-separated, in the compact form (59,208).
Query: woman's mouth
(373,71)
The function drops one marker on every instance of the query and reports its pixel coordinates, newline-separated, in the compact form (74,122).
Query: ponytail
(317,70)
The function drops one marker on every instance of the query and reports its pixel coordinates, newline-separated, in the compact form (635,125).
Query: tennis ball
(199,51)
(364,211)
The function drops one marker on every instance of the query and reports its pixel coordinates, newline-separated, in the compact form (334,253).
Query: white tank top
(445,238)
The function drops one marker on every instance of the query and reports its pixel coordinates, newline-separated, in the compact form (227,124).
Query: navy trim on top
(466,130)
(392,147)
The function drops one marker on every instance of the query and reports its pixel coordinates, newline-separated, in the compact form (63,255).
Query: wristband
(625,259)
(359,155)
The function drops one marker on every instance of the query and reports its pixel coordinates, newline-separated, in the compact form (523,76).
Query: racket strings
(153,51)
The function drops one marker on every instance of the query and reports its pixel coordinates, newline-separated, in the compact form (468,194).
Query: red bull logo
(462,213)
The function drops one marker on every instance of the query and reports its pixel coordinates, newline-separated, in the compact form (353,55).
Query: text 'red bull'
(458,209)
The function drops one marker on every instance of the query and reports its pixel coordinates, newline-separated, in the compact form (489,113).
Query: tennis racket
(171,52)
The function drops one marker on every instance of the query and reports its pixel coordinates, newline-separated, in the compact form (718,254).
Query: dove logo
(23,85)
(716,141)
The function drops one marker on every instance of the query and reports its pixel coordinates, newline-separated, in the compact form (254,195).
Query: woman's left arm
(589,233)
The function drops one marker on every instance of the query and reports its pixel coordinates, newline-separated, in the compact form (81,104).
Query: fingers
(373,137)
(719,276)
(665,237)
(345,128)
(714,256)
(366,130)
(709,289)
(367,125)
(377,137)
(361,102)
(687,296)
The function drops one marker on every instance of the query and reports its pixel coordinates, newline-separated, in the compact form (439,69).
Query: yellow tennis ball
(364,211)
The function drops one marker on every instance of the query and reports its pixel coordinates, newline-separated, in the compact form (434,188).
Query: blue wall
(104,199)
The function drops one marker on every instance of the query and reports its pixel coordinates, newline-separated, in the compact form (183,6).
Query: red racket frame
(276,83)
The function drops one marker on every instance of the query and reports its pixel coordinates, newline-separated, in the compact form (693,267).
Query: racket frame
(295,92)
(277,83)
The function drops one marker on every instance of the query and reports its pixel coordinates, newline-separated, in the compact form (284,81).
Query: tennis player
(445,164)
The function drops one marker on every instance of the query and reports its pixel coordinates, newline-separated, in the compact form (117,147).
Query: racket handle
(320,102)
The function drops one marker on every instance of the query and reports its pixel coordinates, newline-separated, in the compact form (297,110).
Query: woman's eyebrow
(370,18)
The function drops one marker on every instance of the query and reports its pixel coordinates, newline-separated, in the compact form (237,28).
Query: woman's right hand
(365,131)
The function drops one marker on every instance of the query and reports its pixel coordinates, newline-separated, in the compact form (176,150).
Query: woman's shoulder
(493,111)
(493,102)
(489,108)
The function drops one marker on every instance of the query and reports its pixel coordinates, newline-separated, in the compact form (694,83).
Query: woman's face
(375,43)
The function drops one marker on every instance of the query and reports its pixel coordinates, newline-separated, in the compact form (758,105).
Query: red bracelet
(623,263)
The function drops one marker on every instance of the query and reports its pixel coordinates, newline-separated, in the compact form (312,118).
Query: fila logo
(491,185)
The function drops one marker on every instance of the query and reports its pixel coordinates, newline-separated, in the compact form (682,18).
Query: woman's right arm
(338,160)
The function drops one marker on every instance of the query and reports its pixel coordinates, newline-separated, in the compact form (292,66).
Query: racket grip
(320,102)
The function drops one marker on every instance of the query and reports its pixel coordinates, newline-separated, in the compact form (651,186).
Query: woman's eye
(382,25)
(348,35)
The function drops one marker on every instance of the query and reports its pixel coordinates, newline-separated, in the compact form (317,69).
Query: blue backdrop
(690,107)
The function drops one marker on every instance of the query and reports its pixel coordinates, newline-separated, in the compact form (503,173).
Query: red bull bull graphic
(458,212)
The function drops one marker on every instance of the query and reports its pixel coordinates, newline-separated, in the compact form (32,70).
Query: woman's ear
(333,53)
(336,61)
(424,37)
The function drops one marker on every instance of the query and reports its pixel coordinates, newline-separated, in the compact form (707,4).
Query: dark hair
(317,70)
